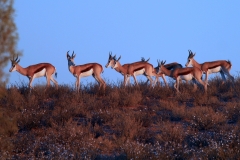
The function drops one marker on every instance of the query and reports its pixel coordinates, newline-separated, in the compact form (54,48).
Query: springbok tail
(55,72)
(229,62)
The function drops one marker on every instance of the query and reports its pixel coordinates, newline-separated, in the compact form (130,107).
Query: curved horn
(16,58)
(119,58)
(68,54)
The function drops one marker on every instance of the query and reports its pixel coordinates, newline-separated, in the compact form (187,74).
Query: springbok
(221,66)
(85,70)
(35,71)
(134,69)
(189,73)
(122,70)
(170,66)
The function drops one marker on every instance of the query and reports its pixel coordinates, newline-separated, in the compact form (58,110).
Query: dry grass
(122,123)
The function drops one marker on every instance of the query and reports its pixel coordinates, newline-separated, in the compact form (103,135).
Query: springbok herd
(174,70)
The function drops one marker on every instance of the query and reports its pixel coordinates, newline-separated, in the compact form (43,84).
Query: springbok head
(190,58)
(14,64)
(71,59)
(111,59)
(115,64)
(160,65)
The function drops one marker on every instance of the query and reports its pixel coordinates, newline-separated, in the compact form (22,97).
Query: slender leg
(125,79)
(178,84)
(150,79)
(203,83)
(54,81)
(164,79)
(228,74)
(194,84)
(206,77)
(77,84)
(223,76)
(30,82)
(135,79)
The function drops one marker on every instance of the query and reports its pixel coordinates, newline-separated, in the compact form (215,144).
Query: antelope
(170,66)
(134,69)
(122,70)
(35,71)
(221,66)
(189,73)
(85,70)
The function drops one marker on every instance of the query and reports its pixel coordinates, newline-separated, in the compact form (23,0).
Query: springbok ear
(18,61)
(148,59)
(194,54)
(159,63)
(110,55)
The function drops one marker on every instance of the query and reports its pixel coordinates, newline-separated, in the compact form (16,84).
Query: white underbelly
(86,74)
(214,70)
(186,77)
(40,74)
(139,72)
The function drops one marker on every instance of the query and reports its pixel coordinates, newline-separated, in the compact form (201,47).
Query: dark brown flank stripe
(87,69)
(184,72)
(138,69)
(214,66)
(39,69)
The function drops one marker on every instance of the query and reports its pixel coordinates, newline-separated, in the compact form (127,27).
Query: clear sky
(163,30)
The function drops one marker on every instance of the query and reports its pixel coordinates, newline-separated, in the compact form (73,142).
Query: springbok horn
(119,58)
(16,58)
(68,54)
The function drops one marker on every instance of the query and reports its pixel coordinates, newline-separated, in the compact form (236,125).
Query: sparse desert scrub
(122,123)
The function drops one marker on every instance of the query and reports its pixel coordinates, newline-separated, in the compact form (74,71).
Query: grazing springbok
(221,66)
(170,66)
(189,73)
(85,70)
(124,67)
(134,69)
(35,71)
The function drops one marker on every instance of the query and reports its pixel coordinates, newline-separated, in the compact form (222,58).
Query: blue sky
(162,30)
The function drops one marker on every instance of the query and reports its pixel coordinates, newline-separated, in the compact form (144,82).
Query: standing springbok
(189,73)
(123,68)
(35,71)
(134,69)
(221,66)
(85,70)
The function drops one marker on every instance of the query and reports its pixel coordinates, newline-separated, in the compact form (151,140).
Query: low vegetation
(122,123)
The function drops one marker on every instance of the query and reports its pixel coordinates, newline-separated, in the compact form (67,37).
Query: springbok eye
(14,65)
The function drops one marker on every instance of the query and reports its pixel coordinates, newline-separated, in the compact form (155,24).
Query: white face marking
(110,63)
(13,68)
(114,64)
(40,73)
(189,62)
(87,73)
